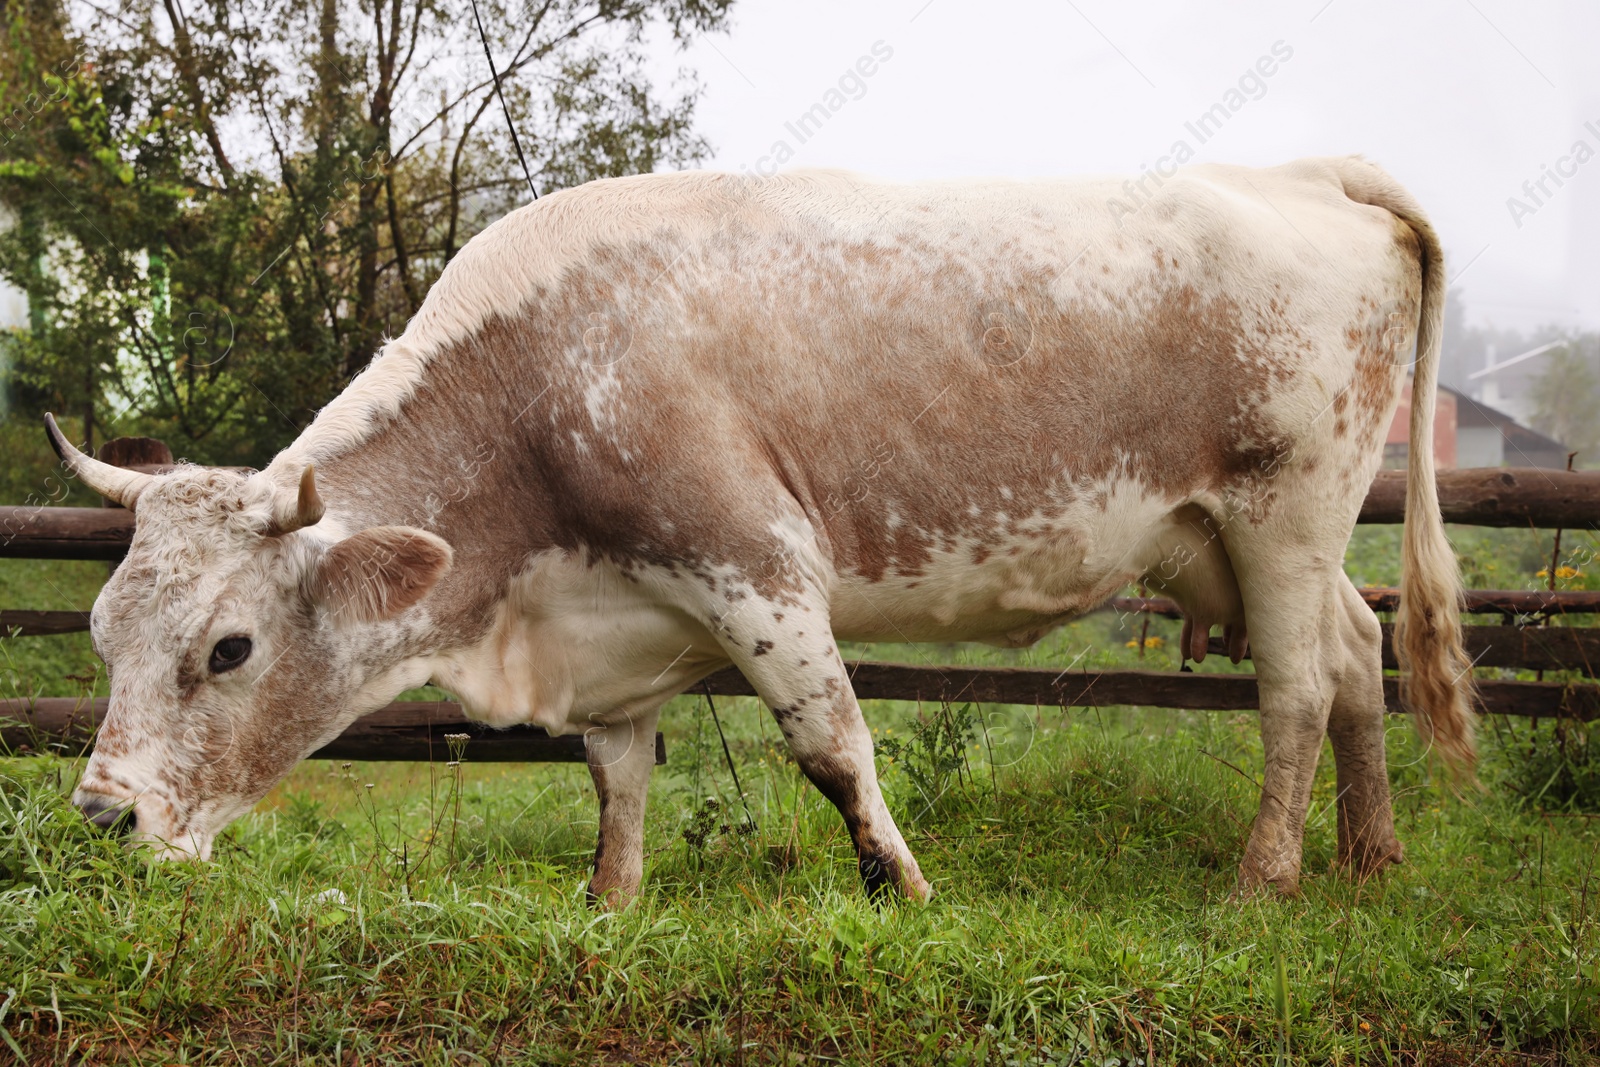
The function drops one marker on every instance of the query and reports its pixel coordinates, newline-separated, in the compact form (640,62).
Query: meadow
(1083,864)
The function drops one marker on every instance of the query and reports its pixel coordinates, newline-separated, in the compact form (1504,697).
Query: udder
(1190,564)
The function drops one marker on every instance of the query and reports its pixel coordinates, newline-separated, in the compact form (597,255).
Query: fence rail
(1196,691)
(1490,496)
(1532,648)
(402,731)
(1510,602)
(416,731)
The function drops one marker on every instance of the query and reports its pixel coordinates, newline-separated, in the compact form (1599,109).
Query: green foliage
(216,225)
(1566,397)
(1555,765)
(934,756)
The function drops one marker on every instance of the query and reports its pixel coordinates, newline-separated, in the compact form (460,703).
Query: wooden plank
(32,532)
(1533,648)
(1526,648)
(416,732)
(1379,598)
(1503,601)
(1387,598)
(402,731)
(41,623)
(1496,496)
(1197,691)
(1485,496)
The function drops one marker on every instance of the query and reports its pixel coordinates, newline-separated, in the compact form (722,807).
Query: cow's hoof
(1253,885)
(886,877)
(917,888)
(610,898)
(1368,861)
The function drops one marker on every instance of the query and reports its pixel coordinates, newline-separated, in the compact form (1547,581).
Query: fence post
(134,452)
(138,453)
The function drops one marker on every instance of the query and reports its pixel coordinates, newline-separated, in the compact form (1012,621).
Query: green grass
(1082,915)
(1082,862)
(61,664)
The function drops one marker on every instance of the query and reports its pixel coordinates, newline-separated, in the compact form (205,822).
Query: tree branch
(191,83)
(398,241)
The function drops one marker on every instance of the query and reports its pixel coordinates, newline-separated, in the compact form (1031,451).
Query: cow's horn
(113,483)
(306,509)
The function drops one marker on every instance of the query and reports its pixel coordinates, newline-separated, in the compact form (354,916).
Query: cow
(648,427)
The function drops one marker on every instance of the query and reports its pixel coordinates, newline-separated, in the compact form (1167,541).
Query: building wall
(13,307)
(1445,446)
(13,316)
(1480,446)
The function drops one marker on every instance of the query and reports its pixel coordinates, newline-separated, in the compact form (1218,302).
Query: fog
(1464,100)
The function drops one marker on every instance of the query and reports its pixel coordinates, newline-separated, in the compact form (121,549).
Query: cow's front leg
(620,757)
(787,652)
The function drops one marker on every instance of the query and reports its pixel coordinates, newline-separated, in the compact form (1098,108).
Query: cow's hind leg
(1296,626)
(1356,727)
(620,757)
(786,649)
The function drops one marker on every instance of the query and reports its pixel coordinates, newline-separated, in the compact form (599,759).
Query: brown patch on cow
(762,648)
(789,711)
(880,869)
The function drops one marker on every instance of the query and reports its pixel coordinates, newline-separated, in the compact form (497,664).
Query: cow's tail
(1436,675)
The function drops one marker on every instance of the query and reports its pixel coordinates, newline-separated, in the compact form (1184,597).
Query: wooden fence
(1501,497)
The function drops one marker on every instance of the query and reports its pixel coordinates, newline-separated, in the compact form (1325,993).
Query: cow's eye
(229,653)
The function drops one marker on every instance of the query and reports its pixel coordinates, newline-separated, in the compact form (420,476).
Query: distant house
(1468,433)
(13,315)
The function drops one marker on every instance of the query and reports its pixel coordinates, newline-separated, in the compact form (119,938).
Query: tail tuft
(1436,676)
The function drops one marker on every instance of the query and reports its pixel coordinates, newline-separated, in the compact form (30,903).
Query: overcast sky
(1463,100)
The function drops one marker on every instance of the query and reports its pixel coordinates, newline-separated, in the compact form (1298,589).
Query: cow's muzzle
(108,814)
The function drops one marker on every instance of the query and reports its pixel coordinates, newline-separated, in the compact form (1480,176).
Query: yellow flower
(1563,572)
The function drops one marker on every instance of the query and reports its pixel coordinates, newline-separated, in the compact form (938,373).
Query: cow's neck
(444,446)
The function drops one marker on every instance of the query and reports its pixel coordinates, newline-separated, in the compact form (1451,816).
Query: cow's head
(239,636)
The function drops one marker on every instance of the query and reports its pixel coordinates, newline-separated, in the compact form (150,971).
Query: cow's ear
(379,573)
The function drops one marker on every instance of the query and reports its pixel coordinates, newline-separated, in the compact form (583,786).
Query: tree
(1566,398)
(217,225)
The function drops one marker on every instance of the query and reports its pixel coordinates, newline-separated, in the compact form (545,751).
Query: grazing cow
(651,426)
